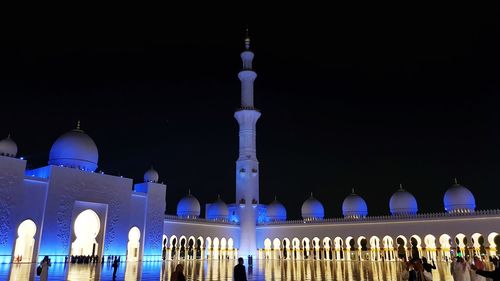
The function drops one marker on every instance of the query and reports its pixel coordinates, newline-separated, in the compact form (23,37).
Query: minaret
(247,165)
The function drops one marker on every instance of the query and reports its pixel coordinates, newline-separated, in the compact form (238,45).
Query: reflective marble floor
(221,270)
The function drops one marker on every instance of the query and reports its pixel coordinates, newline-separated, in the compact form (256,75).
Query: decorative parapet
(406,217)
(200,220)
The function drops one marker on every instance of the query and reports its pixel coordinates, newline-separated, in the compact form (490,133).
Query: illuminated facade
(66,208)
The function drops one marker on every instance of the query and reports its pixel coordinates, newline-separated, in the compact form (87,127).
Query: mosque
(67,208)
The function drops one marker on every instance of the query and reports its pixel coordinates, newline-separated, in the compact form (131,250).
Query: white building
(66,208)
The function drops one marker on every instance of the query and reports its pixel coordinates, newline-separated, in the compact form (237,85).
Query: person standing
(178,274)
(239,271)
(115,267)
(44,275)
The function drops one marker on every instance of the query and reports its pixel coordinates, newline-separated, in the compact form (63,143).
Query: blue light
(22,158)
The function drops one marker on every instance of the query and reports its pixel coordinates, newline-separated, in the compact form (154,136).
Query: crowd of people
(461,269)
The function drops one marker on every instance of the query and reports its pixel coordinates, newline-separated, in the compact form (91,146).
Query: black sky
(347,100)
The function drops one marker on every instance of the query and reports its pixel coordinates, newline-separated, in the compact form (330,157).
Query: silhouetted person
(239,271)
(115,267)
(427,266)
(178,274)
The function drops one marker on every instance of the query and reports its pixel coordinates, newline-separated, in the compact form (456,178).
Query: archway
(430,246)
(362,248)
(327,248)
(388,248)
(267,248)
(416,246)
(305,247)
(286,248)
(493,240)
(173,247)
(461,242)
(23,251)
(401,241)
(276,248)
(296,248)
(190,247)
(230,248)
(339,251)
(478,244)
(182,247)
(208,247)
(350,249)
(375,248)
(164,246)
(199,247)
(223,247)
(445,243)
(86,227)
(215,248)
(134,235)
(315,248)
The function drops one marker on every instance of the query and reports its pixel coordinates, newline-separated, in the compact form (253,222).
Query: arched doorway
(86,227)
(23,251)
(134,235)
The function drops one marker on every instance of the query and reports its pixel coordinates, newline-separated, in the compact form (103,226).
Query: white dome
(312,209)
(354,206)
(403,203)
(188,207)
(8,147)
(151,175)
(74,149)
(218,210)
(459,199)
(276,211)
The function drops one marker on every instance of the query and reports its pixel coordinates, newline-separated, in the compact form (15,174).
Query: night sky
(347,101)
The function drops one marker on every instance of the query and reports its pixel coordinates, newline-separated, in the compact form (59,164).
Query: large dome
(74,149)
(151,175)
(403,203)
(459,199)
(276,211)
(354,206)
(312,209)
(188,207)
(8,147)
(218,210)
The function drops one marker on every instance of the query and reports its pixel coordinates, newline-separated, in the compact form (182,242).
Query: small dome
(459,199)
(188,207)
(276,211)
(151,175)
(312,209)
(8,147)
(354,206)
(74,149)
(403,203)
(218,210)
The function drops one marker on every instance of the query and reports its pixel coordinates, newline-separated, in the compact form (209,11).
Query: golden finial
(247,39)
(78,125)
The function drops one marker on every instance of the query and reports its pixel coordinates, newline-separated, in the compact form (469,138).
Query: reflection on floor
(222,270)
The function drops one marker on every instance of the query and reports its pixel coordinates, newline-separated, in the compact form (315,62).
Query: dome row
(456,199)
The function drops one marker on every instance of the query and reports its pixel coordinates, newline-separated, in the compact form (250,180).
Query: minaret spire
(247,165)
